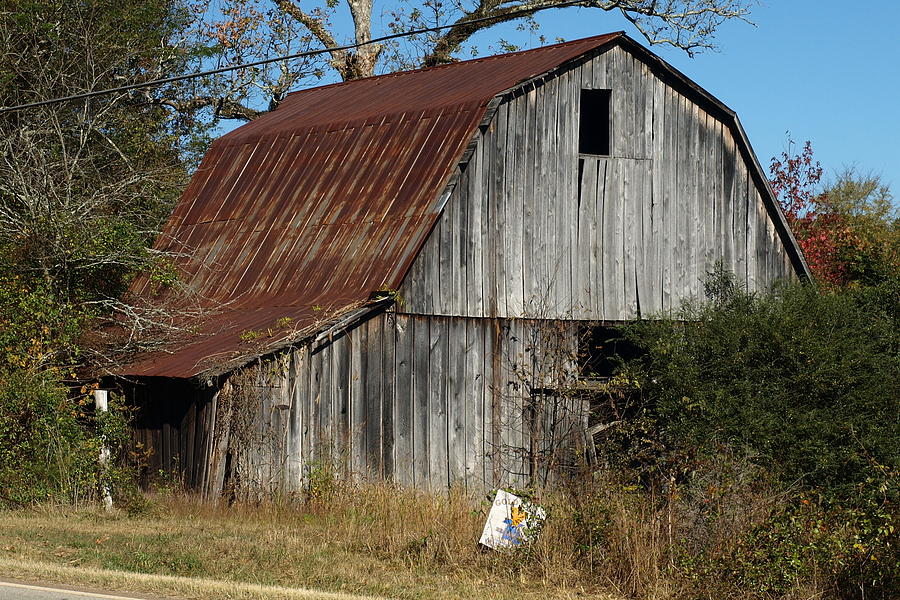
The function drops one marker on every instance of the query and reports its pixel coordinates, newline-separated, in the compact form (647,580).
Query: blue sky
(823,70)
(826,71)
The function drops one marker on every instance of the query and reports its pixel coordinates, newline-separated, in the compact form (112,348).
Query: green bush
(806,382)
(771,422)
(50,443)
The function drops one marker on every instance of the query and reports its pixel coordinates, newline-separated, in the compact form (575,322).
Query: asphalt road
(22,591)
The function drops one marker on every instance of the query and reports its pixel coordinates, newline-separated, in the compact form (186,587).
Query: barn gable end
(533,229)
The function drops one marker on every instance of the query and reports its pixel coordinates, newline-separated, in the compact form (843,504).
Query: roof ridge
(611,36)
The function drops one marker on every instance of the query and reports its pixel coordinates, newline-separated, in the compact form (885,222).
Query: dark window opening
(601,350)
(594,122)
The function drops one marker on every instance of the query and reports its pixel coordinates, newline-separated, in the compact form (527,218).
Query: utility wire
(393,36)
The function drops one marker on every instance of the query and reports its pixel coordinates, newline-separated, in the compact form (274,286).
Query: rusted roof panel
(311,208)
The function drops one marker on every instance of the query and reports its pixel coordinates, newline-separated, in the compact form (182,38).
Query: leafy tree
(849,231)
(240,31)
(84,185)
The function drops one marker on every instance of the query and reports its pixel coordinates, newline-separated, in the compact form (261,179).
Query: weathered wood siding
(430,402)
(533,229)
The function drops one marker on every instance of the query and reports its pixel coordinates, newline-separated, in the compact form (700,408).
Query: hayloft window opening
(594,122)
(601,350)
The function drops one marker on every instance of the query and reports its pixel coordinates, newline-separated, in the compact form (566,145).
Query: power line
(393,36)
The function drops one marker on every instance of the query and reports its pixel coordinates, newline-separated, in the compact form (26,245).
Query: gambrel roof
(302,216)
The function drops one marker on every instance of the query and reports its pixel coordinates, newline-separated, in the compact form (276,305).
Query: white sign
(511,522)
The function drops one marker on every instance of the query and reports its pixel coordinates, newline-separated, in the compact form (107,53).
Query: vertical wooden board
(637,105)
(763,246)
(695,230)
(768,244)
(404,401)
(546,223)
(512,208)
(648,267)
(498,205)
(598,298)
(456,402)
(339,350)
(304,400)
(631,230)
(434,288)
(650,86)
(437,403)
(295,431)
(681,141)
(410,289)
(421,372)
(740,217)
(326,405)
(389,400)
(729,211)
(491,439)
(599,68)
(538,201)
(721,203)
(582,270)
(751,235)
(516,393)
(372,357)
(701,244)
(657,150)
(669,199)
(505,422)
(488,216)
(531,154)
(478,231)
(315,388)
(357,433)
(474,405)
(611,259)
(441,288)
(568,199)
(461,242)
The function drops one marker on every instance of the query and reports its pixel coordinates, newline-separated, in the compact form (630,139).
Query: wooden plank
(478,217)
(389,402)
(613,240)
(316,434)
(519,202)
(498,218)
(294,448)
(538,143)
(491,442)
(403,424)
(582,267)
(372,358)
(530,212)
(421,369)
(461,244)
(340,350)
(567,200)
(631,229)
(474,406)
(357,433)
(456,402)
(437,403)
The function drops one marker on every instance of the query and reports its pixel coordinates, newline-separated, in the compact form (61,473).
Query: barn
(395,273)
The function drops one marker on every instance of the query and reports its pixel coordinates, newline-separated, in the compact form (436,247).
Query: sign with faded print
(511,522)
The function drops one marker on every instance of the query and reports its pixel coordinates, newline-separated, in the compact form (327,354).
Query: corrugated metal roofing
(309,209)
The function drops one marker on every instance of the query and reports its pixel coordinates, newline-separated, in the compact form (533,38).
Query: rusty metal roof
(300,215)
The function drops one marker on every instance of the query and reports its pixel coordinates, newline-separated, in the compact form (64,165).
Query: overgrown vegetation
(769,422)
